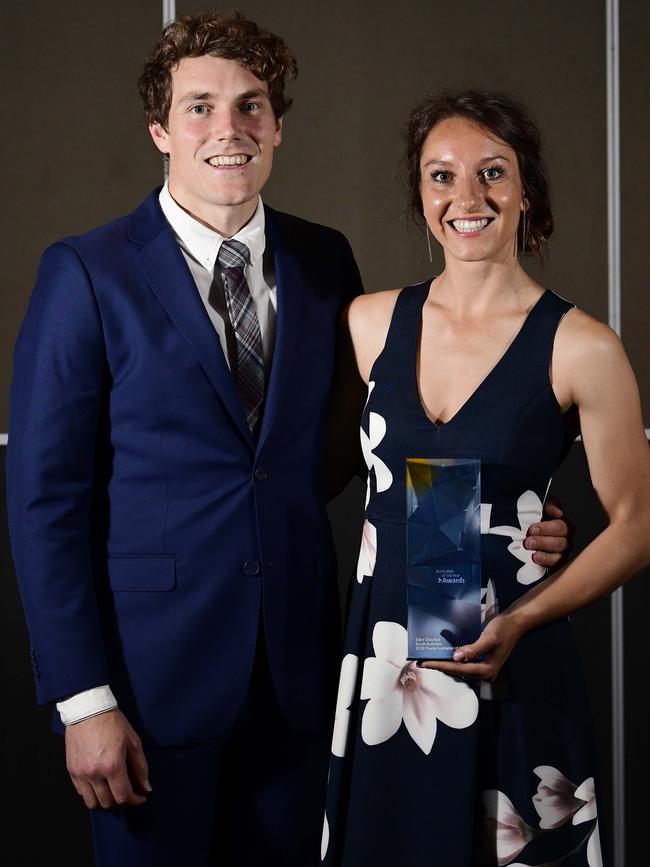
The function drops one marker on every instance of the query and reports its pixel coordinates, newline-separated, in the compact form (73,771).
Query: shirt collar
(203,243)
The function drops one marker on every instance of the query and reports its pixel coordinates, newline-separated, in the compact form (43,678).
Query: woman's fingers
(476,670)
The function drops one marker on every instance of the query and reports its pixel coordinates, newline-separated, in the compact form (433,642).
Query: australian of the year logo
(449,576)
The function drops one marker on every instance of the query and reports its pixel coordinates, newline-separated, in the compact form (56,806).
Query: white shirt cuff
(86,704)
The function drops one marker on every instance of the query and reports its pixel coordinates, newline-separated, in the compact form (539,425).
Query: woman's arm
(591,370)
(361,336)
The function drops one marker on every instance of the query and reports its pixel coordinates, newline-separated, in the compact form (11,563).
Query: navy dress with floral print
(429,770)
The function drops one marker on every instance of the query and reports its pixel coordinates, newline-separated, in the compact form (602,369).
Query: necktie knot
(233,254)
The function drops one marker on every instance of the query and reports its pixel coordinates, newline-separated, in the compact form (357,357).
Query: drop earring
(524,229)
(429,243)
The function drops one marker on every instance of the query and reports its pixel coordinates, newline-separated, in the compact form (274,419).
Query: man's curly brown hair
(220,34)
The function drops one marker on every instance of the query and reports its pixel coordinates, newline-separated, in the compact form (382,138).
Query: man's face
(220,137)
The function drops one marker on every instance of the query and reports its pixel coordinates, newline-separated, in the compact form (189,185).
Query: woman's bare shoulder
(589,361)
(368,318)
(581,336)
(372,309)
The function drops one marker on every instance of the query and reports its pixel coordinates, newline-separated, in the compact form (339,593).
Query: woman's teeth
(469,225)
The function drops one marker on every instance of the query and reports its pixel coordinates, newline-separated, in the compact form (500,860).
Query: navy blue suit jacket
(149,530)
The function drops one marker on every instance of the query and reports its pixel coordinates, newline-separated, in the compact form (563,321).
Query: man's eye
(441,176)
(199,109)
(249,106)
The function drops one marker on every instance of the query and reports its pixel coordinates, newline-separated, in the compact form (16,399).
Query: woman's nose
(469,193)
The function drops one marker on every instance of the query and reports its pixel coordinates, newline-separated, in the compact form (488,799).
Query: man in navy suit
(166,482)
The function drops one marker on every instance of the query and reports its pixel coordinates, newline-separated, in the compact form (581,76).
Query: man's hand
(549,539)
(106,762)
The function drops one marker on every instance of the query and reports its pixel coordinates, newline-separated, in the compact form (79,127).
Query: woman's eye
(493,173)
(441,176)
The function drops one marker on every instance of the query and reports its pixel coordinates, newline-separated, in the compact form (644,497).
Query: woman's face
(472,194)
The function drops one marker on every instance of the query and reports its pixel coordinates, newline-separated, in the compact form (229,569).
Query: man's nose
(226,123)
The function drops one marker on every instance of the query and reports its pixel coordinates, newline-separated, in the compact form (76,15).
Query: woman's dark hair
(220,34)
(504,118)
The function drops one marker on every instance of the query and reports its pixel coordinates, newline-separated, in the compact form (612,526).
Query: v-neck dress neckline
(484,383)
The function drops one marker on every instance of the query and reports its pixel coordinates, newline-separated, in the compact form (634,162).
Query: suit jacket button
(252,567)
(260,474)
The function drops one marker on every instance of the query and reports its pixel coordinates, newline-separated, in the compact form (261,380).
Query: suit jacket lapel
(162,264)
(290,282)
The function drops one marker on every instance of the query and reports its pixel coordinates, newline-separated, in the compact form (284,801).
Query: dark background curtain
(76,153)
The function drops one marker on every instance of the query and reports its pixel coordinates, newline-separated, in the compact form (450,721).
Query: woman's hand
(484,658)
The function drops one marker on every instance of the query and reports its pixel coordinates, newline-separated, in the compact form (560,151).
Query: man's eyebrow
(253,94)
(196,97)
(207,95)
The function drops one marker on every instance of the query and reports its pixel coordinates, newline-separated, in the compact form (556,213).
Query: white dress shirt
(200,247)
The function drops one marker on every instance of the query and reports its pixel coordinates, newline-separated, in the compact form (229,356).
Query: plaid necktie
(249,360)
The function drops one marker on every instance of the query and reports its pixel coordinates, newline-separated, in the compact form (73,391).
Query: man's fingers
(546,560)
(138,767)
(103,793)
(543,529)
(122,791)
(552,508)
(87,793)
(548,544)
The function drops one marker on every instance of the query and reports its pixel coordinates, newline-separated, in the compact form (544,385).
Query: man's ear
(278,132)
(160,137)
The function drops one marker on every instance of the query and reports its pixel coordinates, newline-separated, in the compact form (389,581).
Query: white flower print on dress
(586,792)
(594,854)
(368,552)
(529,511)
(555,800)
(398,690)
(489,609)
(347,681)
(545,864)
(505,828)
(325,839)
(369,442)
(489,604)
(558,800)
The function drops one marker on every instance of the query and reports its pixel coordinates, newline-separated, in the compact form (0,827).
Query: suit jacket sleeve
(58,392)
(350,270)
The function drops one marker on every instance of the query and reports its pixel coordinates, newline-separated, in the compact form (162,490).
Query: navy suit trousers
(254,796)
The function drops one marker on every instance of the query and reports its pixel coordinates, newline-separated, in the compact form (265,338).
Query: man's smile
(229,161)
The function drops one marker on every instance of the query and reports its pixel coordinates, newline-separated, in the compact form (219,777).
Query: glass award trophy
(443,555)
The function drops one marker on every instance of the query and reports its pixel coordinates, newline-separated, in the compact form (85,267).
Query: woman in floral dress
(487,759)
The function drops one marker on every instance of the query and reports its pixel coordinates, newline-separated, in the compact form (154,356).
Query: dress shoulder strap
(403,332)
(540,330)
